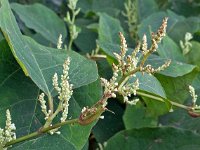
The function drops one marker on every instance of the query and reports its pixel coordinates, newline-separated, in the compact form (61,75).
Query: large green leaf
(179,29)
(138,116)
(149,83)
(146,8)
(153,22)
(180,119)
(85,36)
(169,49)
(40,62)
(155,139)
(177,88)
(42,19)
(19,94)
(109,28)
(111,7)
(193,56)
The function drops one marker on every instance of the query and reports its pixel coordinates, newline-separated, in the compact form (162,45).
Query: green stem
(52,116)
(41,131)
(71,32)
(50,101)
(121,81)
(163,100)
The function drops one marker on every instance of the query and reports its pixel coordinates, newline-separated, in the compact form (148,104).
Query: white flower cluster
(150,70)
(193,95)
(110,86)
(64,94)
(65,90)
(7,134)
(43,106)
(126,63)
(129,89)
(186,45)
(60,42)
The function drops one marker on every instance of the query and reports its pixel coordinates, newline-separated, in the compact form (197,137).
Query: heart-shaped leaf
(40,62)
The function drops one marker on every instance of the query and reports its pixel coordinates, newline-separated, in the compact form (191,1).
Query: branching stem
(41,131)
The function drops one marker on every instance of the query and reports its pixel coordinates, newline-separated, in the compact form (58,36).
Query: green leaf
(193,56)
(149,83)
(85,36)
(175,69)
(111,7)
(109,48)
(137,116)
(155,139)
(179,29)
(180,119)
(169,49)
(177,88)
(146,8)
(153,22)
(42,19)
(40,62)
(109,28)
(19,94)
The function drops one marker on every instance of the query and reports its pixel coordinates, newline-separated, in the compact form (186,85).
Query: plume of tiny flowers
(65,90)
(193,95)
(110,86)
(7,134)
(121,57)
(43,106)
(60,42)
(129,89)
(161,32)
(150,70)
(186,45)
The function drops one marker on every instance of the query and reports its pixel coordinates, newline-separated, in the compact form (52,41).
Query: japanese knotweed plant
(126,68)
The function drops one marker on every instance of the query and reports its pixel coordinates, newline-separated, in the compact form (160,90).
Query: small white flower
(193,94)
(59,43)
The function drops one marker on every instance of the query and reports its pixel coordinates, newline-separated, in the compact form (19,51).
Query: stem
(50,101)
(52,116)
(41,131)
(71,26)
(162,100)
(70,43)
(144,59)
(121,81)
